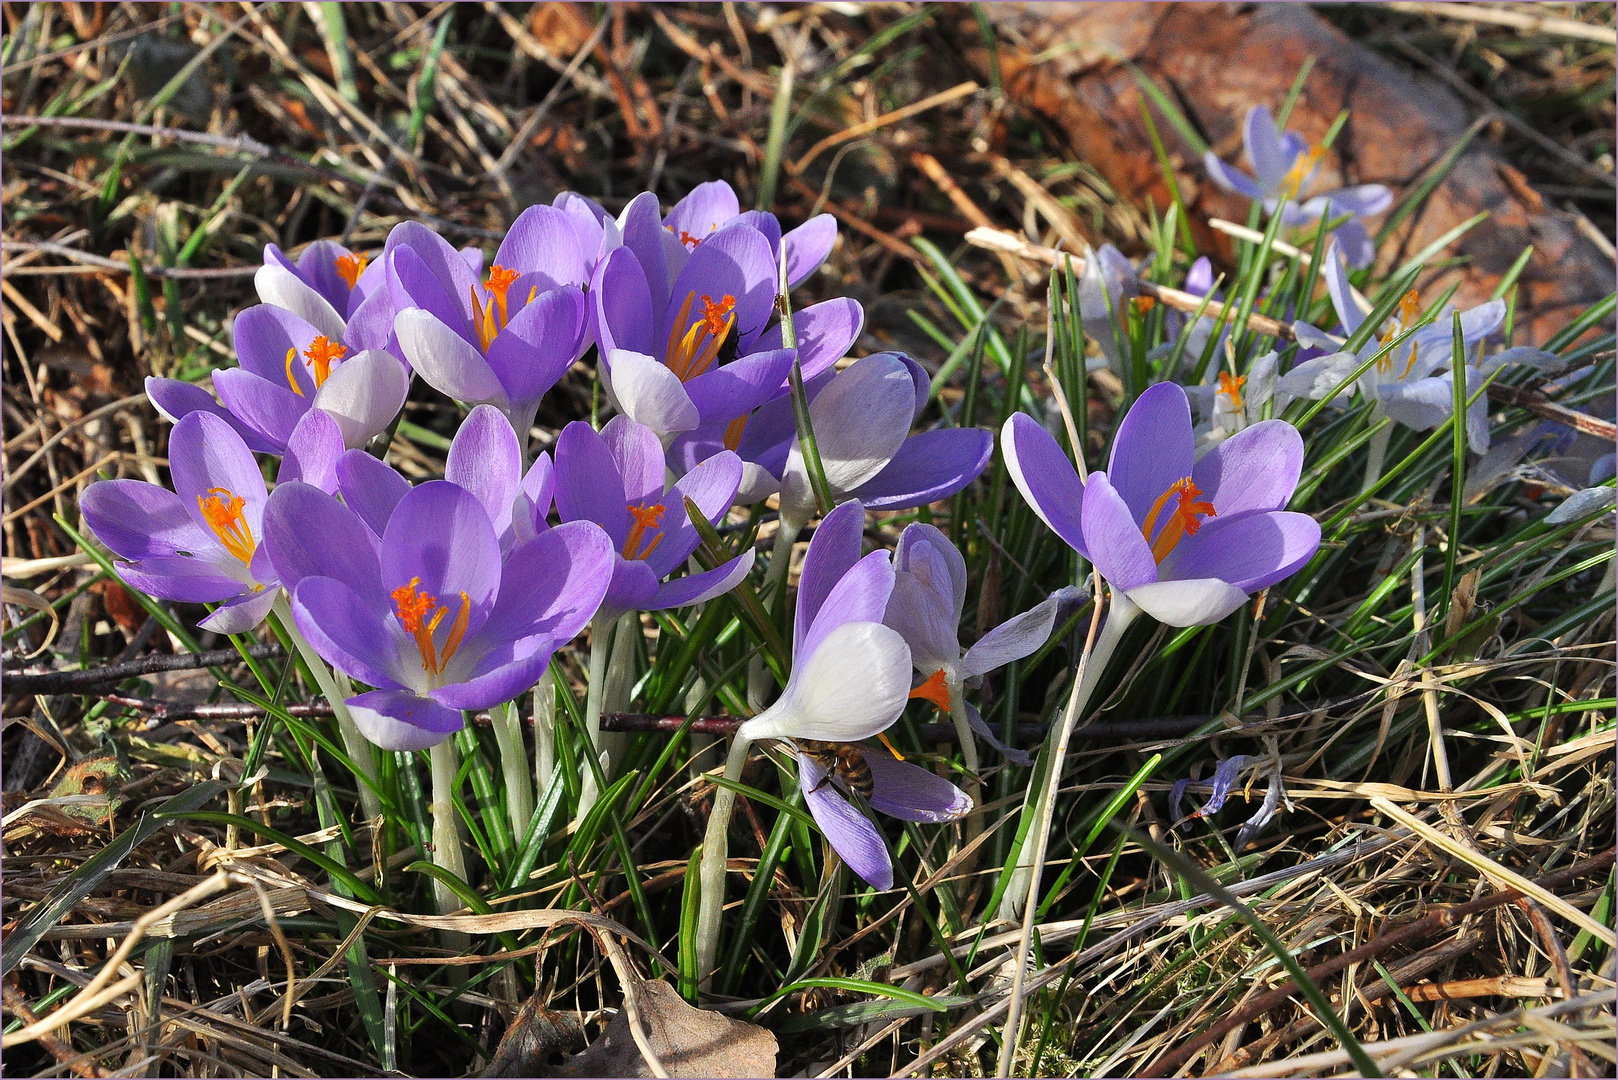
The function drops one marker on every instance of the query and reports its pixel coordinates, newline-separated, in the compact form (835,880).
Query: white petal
(651,394)
(1579,504)
(1323,375)
(757,484)
(281,288)
(1193,602)
(862,418)
(446,361)
(363,394)
(853,686)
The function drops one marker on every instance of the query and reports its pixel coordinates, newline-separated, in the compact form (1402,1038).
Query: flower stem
(601,627)
(544,730)
(1023,891)
(447,853)
(1377,452)
(969,757)
(715,856)
(513,766)
(358,747)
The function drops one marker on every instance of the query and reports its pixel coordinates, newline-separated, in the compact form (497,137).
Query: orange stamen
(321,354)
(894,750)
(645,517)
(292,380)
(935,690)
(1409,305)
(351,267)
(1143,304)
(691,349)
(500,280)
(1301,167)
(483,319)
(1184,520)
(412,607)
(733,432)
(222,510)
(1231,386)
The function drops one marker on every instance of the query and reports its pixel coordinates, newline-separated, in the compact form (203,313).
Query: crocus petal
(1252,551)
(736,389)
(264,335)
(398,720)
(1231,179)
(542,241)
(633,587)
(1357,246)
(445,361)
(861,419)
(1363,200)
(317,264)
(916,610)
(185,579)
(507,672)
(807,247)
(1152,450)
(927,467)
(651,394)
(1045,476)
(588,487)
(1420,404)
(981,729)
(1321,376)
(137,520)
(1265,148)
(1196,602)
(486,460)
(174,398)
(833,551)
(1017,637)
(205,453)
(440,535)
(734,261)
(370,326)
(697,588)
(712,486)
(620,297)
(638,456)
(851,687)
(371,488)
(363,394)
(847,830)
(553,584)
(281,288)
(911,793)
(1342,290)
(539,344)
(643,236)
(242,614)
(312,452)
(1113,537)
(424,271)
(270,410)
(925,551)
(539,484)
(825,332)
(861,596)
(707,206)
(308,533)
(354,636)
(1255,469)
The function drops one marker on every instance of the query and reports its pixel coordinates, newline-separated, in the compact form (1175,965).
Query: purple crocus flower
(615,478)
(1185,540)
(1283,165)
(502,341)
(431,616)
(200,543)
(341,293)
(288,367)
(862,419)
(1108,283)
(711,205)
(850,680)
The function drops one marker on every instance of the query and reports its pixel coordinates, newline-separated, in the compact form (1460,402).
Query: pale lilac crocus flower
(432,616)
(201,542)
(1283,164)
(342,293)
(502,341)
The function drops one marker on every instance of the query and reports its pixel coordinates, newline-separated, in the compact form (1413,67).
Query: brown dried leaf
(688,1041)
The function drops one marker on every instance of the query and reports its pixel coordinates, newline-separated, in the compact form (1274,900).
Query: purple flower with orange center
(199,543)
(1184,539)
(341,293)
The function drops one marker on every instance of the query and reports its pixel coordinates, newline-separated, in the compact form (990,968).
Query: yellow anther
(222,510)
(412,606)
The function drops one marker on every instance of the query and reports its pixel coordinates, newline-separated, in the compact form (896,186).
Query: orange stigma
(412,607)
(1143,304)
(489,317)
(222,510)
(935,690)
(636,546)
(500,279)
(1184,520)
(686,239)
(692,348)
(1231,386)
(351,267)
(1301,168)
(322,353)
(734,431)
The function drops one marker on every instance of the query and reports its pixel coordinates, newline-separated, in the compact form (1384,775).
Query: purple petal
(1152,450)
(922,550)
(486,460)
(542,241)
(696,588)
(852,686)
(539,344)
(1265,148)
(241,614)
(205,454)
(284,290)
(1017,637)
(312,452)
(553,584)
(371,488)
(1420,404)
(927,467)
(173,398)
(445,361)
(1342,291)
(734,262)
(1198,602)
(638,455)
(371,325)
(633,586)
(184,579)
(1251,551)
(1224,782)
(506,672)
(712,486)
(358,639)
(1200,278)
(424,271)
(708,206)
(588,487)
(399,720)
(137,520)
(861,419)
(440,535)
(318,266)
(1114,539)
(643,232)
(861,596)
(264,335)
(1355,242)
(924,619)
(911,793)
(1361,200)
(736,389)
(845,828)
(766,223)
(308,533)
(271,411)
(825,332)
(1229,178)
(1045,476)
(833,551)
(981,729)
(807,247)
(1255,469)
(620,303)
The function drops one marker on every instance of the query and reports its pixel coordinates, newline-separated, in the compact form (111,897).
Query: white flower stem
(1022,894)
(1377,451)
(601,628)
(513,766)
(969,757)
(715,856)
(1024,885)
(544,731)
(447,854)
(358,747)
(786,534)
